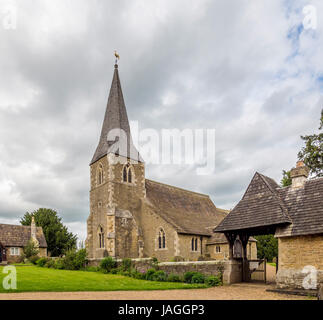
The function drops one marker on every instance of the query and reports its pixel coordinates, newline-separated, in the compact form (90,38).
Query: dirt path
(271,273)
(246,291)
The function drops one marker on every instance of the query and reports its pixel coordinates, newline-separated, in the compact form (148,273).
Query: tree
(286,180)
(267,247)
(30,249)
(312,153)
(59,239)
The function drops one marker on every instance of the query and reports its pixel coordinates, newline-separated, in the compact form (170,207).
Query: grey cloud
(220,60)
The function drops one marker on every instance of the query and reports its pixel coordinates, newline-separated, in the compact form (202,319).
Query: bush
(173,278)
(139,275)
(80,259)
(59,264)
(198,278)
(69,260)
(41,262)
(91,269)
(188,276)
(126,273)
(150,274)
(33,259)
(213,281)
(21,258)
(107,264)
(159,276)
(133,272)
(50,263)
(126,264)
(73,260)
(154,263)
(114,271)
(30,250)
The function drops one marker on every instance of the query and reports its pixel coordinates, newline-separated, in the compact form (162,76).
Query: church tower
(117,185)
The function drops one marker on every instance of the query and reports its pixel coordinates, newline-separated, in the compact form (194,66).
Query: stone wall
(294,254)
(205,267)
(139,263)
(231,270)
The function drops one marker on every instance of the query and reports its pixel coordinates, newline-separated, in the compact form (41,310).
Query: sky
(250,70)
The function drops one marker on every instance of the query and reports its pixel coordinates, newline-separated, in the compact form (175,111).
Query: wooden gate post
(231,238)
(265,270)
(245,264)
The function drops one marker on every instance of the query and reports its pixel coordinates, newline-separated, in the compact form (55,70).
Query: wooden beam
(231,236)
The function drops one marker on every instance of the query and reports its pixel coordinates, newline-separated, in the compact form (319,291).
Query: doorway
(2,253)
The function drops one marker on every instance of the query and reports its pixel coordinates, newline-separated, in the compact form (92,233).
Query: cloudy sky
(248,69)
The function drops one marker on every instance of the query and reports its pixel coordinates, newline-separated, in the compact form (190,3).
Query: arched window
(127,175)
(101,237)
(161,239)
(100,174)
(194,244)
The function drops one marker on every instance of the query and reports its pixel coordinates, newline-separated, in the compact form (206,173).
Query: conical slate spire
(115,135)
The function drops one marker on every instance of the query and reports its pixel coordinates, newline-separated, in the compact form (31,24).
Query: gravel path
(241,291)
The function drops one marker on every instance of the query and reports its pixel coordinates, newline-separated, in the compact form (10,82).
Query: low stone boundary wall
(206,267)
(231,270)
(140,264)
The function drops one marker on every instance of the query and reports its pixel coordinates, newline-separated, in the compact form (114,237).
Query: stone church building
(133,217)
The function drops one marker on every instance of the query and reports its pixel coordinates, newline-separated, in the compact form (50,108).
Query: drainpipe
(201,239)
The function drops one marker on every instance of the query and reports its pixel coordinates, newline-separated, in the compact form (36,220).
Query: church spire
(115,134)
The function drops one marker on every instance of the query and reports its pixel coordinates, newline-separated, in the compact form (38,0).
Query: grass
(272,264)
(34,279)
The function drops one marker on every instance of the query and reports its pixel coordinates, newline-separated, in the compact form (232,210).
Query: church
(134,217)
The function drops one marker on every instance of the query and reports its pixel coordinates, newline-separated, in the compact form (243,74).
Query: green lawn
(32,278)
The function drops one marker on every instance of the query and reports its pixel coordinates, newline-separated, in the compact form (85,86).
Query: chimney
(33,230)
(299,175)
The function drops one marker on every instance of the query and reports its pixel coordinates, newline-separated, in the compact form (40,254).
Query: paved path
(242,291)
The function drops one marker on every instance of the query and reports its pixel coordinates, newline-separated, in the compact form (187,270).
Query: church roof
(18,236)
(116,119)
(188,212)
(260,206)
(293,211)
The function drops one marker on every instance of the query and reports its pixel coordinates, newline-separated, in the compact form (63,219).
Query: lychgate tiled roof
(260,206)
(18,236)
(116,118)
(305,208)
(188,212)
(294,211)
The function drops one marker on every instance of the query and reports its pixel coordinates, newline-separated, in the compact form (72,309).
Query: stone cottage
(294,214)
(13,239)
(133,217)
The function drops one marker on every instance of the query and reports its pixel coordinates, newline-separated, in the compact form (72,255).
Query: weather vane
(117,56)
